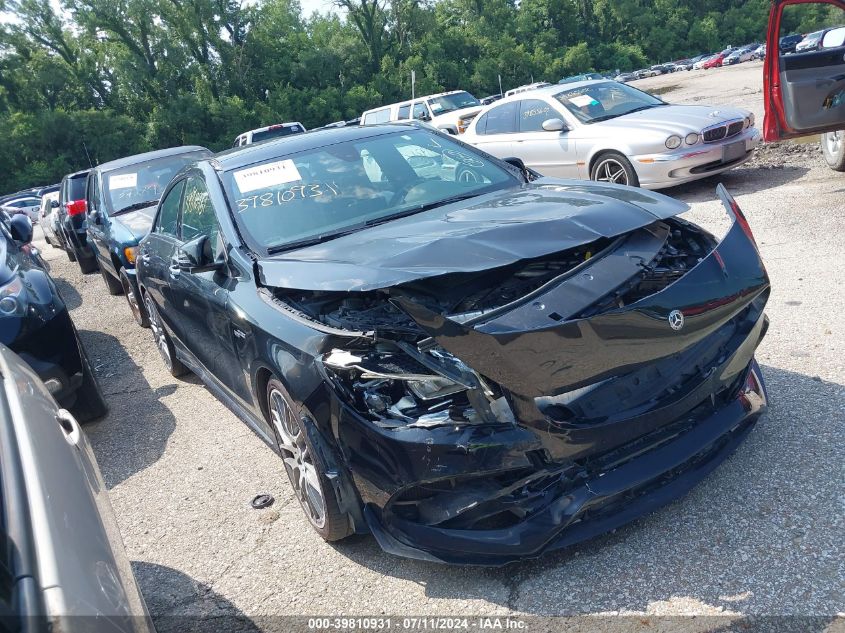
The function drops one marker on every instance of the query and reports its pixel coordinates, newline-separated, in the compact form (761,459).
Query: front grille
(722,131)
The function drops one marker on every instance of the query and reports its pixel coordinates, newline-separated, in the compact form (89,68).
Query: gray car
(612,132)
(62,563)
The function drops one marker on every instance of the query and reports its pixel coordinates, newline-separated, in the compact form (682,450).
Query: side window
(420,111)
(404,111)
(90,197)
(168,214)
(502,119)
(198,214)
(481,124)
(532,113)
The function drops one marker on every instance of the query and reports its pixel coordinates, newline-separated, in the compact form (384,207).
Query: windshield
(320,193)
(607,100)
(143,182)
(447,103)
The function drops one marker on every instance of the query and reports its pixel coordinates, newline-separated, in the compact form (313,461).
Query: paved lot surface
(762,535)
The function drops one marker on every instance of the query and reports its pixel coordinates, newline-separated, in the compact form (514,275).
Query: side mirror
(21,229)
(834,38)
(554,125)
(528,174)
(195,256)
(54,204)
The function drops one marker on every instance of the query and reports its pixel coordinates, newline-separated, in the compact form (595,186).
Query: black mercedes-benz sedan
(475,363)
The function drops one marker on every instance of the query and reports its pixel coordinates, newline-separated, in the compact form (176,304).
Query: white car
(608,131)
(269,131)
(27,205)
(700,63)
(448,112)
(527,87)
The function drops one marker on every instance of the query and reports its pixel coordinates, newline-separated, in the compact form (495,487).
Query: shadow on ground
(180,604)
(134,434)
(742,180)
(762,535)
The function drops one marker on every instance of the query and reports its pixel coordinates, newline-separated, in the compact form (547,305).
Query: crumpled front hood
(490,231)
(134,224)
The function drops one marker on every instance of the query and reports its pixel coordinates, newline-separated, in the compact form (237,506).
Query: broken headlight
(394,389)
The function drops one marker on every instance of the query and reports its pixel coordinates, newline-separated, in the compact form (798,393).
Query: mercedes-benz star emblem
(676,319)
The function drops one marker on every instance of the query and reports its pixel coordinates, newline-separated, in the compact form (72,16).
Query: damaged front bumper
(615,410)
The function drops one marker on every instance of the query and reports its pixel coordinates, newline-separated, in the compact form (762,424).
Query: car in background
(716,61)
(625,77)
(424,354)
(26,205)
(804,93)
(490,99)
(73,226)
(759,52)
(449,112)
(646,72)
(121,199)
(527,87)
(48,217)
(63,560)
(612,132)
(811,42)
(581,77)
(682,64)
(740,55)
(788,43)
(698,65)
(267,132)
(35,324)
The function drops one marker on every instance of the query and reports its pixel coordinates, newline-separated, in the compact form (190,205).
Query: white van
(271,131)
(448,111)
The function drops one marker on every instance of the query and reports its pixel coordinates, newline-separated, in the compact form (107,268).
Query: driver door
(804,93)
(550,153)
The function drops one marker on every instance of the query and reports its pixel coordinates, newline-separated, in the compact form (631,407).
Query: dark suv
(121,199)
(73,227)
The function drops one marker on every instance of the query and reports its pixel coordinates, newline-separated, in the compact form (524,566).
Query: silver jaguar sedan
(608,131)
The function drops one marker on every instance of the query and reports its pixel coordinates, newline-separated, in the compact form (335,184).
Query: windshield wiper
(325,237)
(419,209)
(639,109)
(311,241)
(136,205)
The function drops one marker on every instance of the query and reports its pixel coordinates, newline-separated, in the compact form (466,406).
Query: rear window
(76,187)
(378,116)
(274,132)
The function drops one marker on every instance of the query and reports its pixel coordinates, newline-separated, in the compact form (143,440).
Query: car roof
(237,157)
(140,158)
(551,90)
(414,100)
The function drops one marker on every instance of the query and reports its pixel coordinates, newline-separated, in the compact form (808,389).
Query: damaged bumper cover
(618,401)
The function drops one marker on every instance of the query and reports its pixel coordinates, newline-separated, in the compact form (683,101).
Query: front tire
(135,305)
(304,466)
(833,149)
(613,167)
(163,342)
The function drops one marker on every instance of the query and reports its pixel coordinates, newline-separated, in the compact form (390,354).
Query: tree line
(100,79)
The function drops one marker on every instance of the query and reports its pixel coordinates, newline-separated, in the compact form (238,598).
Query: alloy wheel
(834,142)
(610,170)
(159,335)
(131,299)
(298,460)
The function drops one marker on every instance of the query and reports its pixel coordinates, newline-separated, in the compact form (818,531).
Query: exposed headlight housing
(395,390)
(10,305)
(691,138)
(673,142)
(749,121)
